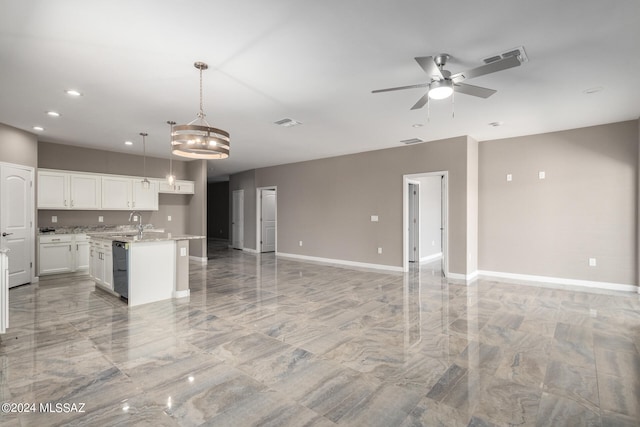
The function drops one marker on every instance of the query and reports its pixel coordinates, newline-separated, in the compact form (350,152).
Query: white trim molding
(340,262)
(561,281)
(182,294)
(201,260)
(251,251)
(465,277)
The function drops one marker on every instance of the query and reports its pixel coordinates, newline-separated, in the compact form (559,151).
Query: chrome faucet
(140,228)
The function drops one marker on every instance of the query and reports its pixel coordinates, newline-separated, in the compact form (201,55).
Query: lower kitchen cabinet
(101,262)
(62,253)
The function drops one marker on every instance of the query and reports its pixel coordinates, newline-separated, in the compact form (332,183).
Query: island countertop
(147,236)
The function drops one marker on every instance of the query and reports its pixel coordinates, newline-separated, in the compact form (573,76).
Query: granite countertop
(147,236)
(96,229)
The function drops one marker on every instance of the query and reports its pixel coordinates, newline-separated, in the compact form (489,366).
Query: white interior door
(237,220)
(414,224)
(268,221)
(16,221)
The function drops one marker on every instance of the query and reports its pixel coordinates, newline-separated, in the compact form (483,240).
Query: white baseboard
(251,251)
(182,294)
(340,262)
(465,277)
(201,260)
(430,258)
(561,281)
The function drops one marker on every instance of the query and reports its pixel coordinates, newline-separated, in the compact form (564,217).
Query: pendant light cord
(201,113)
(144,153)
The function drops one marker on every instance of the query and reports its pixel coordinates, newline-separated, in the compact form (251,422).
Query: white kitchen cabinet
(85,191)
(62,253)
(101,262)
(55,254)
(179,187)
(145,199)
(128,193)
(53,190)
(64,190)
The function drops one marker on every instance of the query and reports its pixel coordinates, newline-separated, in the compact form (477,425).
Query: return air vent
(516,51)
(287,122)
(411,141)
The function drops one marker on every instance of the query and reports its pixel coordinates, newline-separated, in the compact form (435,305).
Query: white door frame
(32,199)
(259,214)
(445,217)
(233,214)
(419,223)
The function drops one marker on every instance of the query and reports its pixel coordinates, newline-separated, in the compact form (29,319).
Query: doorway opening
(425,225)
(267,219)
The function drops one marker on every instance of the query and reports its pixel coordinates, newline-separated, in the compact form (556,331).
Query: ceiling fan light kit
(443,84)
(197,139)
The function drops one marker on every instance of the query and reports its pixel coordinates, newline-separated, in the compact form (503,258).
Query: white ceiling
(313,61)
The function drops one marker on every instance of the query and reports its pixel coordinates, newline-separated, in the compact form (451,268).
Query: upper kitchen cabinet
(179,187)
(119,193)
(67,190)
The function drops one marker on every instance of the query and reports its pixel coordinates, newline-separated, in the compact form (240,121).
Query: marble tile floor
(266,341)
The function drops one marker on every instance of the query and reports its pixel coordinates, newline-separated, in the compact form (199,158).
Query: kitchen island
(141,268)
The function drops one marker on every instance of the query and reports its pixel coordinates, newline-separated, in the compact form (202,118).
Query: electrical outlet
(100,218)
(169,218)
(592,262)
(54,218)
(379,250)
(509,177)
(542,175)
(300,243)
(135,218)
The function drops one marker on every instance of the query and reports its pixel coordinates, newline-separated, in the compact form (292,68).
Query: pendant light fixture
(197,139)
(171,178)
(146,184)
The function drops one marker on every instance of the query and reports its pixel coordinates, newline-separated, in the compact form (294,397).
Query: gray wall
(586,207)
(472,205)
(178,206)
(430,215)
(197,208)
(18,147)
(328,203)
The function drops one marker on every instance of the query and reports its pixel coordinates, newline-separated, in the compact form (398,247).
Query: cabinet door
(55,258)
(116,193)
(185,187)
(85,191)
(145,199)
(108,265)
(93,255)
(82,256)
(53,190)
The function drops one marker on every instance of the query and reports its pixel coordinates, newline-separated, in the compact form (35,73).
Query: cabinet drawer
(56,238)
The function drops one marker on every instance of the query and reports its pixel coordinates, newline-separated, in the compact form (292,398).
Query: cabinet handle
(77,247)
(55,240)
(128,203)
(65,202)
(69,248)
(134,204)
(72,203)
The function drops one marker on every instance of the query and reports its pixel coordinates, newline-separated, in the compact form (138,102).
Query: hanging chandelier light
(197,139)
(146,184)
(171,178)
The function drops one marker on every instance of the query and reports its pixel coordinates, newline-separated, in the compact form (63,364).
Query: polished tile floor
(275,342)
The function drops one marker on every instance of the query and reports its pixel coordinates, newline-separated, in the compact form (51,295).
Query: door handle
(6,234)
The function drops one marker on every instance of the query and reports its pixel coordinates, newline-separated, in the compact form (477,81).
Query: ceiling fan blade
(401,88)
(472,90)
(421,102)
(492,67)
(429,66)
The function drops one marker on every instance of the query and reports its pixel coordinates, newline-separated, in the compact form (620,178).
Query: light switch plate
(100,218)
(592,262)
(542,175)
(169,218)
(509,177)
(300,243)
(183,251)
(374,218)
(379,250)
(54,218)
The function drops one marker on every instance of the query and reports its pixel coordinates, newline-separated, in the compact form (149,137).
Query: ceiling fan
(443,83)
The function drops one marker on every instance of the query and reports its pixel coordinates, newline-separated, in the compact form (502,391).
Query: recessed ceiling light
(72,92)
(38,128)
(592,90)
(53,113)
(496,124)
(128,143)
(417,125)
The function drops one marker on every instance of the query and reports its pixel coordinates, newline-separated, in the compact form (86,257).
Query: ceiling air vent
(516,51)
(411,141)
(287,122)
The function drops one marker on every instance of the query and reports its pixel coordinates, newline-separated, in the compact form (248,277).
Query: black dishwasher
(121,268)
